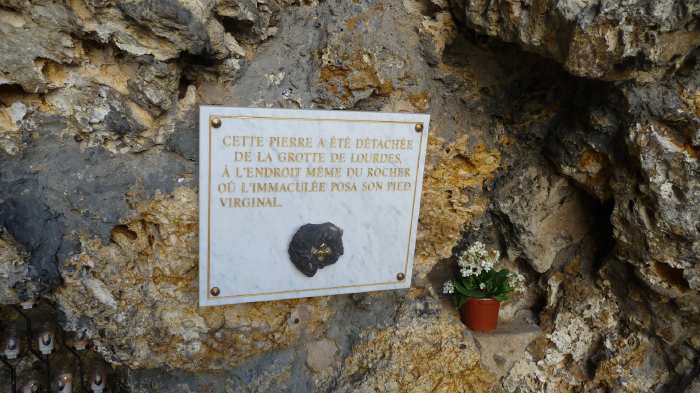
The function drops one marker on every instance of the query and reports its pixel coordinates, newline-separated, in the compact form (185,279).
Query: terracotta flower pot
(480,315)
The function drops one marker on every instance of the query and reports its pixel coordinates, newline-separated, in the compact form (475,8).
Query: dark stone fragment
(185,138)
(315,246)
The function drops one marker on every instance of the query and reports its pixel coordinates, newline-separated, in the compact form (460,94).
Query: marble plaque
(300,203)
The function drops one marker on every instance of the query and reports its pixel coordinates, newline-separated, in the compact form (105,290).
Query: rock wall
(565,134)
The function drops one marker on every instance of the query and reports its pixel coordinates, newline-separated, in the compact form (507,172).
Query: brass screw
(400,276)
(419,127)
(215,122)
(215,291)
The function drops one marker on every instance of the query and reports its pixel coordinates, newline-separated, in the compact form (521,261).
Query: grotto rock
(45,39)
(155,86)
(592,38)
(183,23)
(542,215)
(638,146)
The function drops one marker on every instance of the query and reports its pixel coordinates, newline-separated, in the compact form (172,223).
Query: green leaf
(461,288)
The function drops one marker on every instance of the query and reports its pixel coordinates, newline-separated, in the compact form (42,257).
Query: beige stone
(320,354)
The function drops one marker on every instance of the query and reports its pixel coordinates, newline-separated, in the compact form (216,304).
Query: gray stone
(544,216)
(593,38)
(155,86)
(504,346)
(28,44)
(181,22)
(321,354)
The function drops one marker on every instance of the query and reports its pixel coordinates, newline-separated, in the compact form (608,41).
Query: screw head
(400,276)
(215,291)
(419,127)
(215,122)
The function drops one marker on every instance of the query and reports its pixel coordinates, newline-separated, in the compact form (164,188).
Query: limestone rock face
(406,361)
(588,186)
(593,38)
(640,151)
(139,294)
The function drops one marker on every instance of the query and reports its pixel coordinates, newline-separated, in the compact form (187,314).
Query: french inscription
(339,165)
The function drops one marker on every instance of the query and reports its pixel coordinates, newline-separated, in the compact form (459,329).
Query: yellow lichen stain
(505,140)
(420,101)
(356,72)
(352,22)
(81,11)
(55,73)
(140,291)
(104,68)
(593,172)
(10,135)
(452,169)
(592,161)
(141,115)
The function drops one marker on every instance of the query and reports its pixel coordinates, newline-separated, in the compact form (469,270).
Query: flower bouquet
(479,288)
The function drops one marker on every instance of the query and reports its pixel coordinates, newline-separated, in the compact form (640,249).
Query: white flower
(470,271)
(448,287)
(482,286)
(476,259)
(465,271)
(516,281)
(487,265)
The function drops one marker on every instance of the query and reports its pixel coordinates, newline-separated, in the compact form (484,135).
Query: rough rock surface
(14,272)
(589,187)
(593,38)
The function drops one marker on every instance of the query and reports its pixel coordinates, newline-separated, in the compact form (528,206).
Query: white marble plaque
(264,173)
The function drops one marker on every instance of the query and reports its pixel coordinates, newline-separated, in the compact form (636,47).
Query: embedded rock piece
(593,38)
(315,246)
(542,215)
